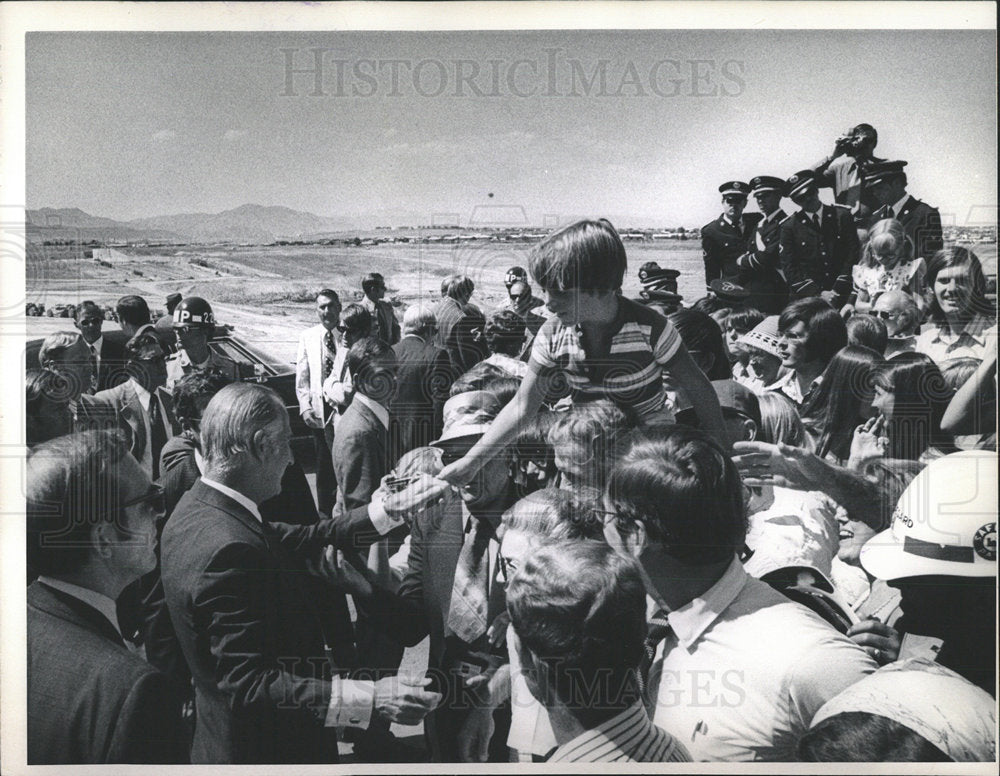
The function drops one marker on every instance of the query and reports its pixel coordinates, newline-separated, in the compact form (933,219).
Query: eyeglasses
(154,496)
(885,315)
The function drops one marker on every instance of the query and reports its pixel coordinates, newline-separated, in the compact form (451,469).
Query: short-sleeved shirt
(631,375)
(745,670)
(941,345)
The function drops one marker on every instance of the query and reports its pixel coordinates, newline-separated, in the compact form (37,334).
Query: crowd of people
(760,527)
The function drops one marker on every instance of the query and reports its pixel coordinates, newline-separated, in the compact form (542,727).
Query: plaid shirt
(631,375)
(626,737)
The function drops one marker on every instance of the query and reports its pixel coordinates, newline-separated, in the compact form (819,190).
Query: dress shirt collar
(235,495)
(92,598)
(974,329)
(694,618)
(96,345)
(772,216)
(142,393)
(898,207)
(725,219)
(380,412)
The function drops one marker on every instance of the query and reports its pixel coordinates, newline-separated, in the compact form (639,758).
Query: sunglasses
(885,315)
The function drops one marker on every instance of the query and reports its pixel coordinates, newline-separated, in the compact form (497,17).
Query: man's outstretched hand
(404,700)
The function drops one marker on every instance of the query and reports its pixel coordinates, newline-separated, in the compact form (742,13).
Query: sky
(410,127)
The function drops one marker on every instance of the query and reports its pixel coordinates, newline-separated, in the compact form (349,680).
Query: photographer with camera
(842,170)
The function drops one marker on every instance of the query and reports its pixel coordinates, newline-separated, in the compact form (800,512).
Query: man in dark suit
(360,448)
(384,320)
(264,693)
(107,353)
(726,238)
(759,266)
(91,514)
(817,245)
(922,223)
(139,403)
(422,385)
(450,591)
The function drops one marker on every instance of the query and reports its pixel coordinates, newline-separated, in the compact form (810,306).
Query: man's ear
(529,667)
(260,443)
(102,537)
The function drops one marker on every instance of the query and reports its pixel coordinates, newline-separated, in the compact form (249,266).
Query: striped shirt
(631,375)
(626,737)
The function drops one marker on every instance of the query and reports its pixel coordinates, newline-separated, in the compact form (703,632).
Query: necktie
(469,602)
(657,630)
(329,352)
(96,361)
(158,436)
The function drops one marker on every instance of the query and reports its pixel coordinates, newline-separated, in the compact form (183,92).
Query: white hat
(944,524)
(764,336)
(936,703)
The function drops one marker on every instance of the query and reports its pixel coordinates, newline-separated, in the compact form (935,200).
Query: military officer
(817,245)
(193,325)
(726,238)
(921,222)
(843,171)
(760,266)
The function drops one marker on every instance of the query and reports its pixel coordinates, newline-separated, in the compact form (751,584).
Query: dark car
(280,377)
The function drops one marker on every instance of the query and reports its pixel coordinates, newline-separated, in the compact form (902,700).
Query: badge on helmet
(194,311)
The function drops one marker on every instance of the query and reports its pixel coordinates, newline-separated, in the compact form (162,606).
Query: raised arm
(502,431)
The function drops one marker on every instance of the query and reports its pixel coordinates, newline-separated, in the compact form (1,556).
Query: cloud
(163,135)
(232,135)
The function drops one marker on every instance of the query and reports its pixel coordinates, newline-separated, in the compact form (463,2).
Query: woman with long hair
(911,394)
(887,263)
(841,401)
(959,314)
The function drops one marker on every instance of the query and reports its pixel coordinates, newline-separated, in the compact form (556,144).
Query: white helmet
(944,524)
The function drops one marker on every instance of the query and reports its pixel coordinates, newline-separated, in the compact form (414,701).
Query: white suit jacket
(309,369)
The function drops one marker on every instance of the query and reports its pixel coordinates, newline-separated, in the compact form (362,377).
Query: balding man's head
(899,311)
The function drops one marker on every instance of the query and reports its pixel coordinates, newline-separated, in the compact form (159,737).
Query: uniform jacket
(822,255)
(250,633)
(422,386)
(722,245)
(90,700)
(179,364)
(922,224)
(760,268)
(309,369)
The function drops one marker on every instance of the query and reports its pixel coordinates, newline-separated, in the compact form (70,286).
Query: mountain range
(244,224)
